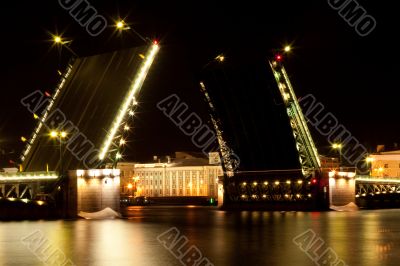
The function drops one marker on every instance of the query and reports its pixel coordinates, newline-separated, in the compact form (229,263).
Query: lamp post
(58,40)
(60,135)
(338,146)
(120,25)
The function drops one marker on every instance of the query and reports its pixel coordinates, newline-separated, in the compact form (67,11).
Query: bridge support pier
(94,190)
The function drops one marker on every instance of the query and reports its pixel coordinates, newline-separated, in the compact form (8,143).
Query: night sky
(354,77)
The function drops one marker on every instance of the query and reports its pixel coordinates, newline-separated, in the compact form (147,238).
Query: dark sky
(354,77)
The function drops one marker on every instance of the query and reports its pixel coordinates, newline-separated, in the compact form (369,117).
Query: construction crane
(308,154)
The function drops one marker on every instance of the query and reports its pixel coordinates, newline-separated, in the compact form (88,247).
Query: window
(386,165)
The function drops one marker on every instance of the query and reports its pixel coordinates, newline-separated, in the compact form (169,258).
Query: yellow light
(370,159)
(337,146)
(118,156)
(136,85)
(220,58)
(142,56)
(244,183)
(265,183)
(23,139)
(57,39)
(276,182)
(130,186)
(35,116)
(53,134)
(63,134)
(120,24)
(126,128)
(300,181)
(287,48)
(255,183)
(27,176)
(122,142)
(288,182)
(131,113)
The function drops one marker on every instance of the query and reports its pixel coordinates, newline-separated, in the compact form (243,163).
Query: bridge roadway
(28,187)
(377,192)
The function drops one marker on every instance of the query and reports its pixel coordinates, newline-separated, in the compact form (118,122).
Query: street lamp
(287,48)
(120,25)
(338,146)
(58,40)
(60,135)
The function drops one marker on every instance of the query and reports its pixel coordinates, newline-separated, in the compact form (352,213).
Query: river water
(369,237)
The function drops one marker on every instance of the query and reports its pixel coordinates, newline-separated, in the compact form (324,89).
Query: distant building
(329,163)
(187,174)
(127,177)
(385,164)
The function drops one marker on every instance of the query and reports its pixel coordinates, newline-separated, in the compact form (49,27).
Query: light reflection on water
(225,238)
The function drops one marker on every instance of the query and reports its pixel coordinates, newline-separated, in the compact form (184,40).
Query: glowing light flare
(40,202)
(287,48)
(80,172)
(129,186)
(337,146)
(137,84)
(57,39)
(53,134)
(120,25)
(369,159)
(220,58)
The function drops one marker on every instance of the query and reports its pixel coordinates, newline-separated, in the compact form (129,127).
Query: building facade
(385,164)
(182,176)
(162,179)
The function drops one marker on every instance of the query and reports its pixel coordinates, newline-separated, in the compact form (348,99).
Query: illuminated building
(385,164)
(185,175)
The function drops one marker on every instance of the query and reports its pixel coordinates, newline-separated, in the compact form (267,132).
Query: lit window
(386,165)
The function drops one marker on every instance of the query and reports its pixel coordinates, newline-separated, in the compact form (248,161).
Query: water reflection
(226,238)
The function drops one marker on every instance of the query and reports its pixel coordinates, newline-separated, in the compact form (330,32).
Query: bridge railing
(27,176)
(377,179)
